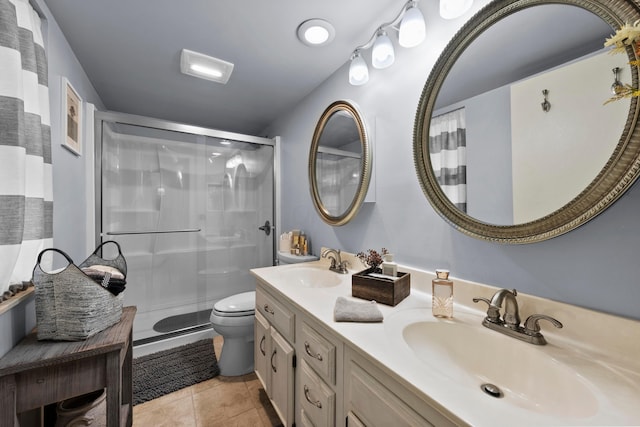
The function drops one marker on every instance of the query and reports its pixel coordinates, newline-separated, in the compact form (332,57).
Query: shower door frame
(131,119)
(128,119)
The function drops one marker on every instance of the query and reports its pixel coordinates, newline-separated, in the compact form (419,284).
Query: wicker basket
(70,306)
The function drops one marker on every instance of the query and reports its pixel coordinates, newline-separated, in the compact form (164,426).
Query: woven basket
(118,262)
(70,306)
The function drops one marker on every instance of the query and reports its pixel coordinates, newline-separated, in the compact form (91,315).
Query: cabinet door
(282,377)
(261,350)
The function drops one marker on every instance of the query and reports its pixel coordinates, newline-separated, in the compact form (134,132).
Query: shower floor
(183,321)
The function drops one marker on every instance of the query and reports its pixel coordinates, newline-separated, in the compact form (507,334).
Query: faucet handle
(531,326)
(493,312)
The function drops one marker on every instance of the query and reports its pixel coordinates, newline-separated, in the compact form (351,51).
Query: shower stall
(192,209)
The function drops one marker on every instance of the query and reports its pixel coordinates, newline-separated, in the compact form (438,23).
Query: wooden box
(382,290)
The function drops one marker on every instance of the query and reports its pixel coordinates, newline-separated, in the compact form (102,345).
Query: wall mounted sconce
(546,105)
(411,32)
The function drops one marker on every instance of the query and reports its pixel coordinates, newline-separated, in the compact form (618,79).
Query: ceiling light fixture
(411,31)
(316,32)
(205,67)
(452,9)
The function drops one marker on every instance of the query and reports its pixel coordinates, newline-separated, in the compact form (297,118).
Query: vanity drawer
(317,400)
(318,352)
(373,404)
(277,314)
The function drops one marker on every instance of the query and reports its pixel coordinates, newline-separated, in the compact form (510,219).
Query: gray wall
(594,266)
(69,173)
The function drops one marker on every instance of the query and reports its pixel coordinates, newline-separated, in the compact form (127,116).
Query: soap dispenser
(389,268)
(442,295)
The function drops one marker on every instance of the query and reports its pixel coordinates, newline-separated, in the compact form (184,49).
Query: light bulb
(412,28)
(316,35)
(358,70)
(382,55)
(451,9)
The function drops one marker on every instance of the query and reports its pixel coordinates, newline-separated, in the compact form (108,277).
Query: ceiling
(130,50)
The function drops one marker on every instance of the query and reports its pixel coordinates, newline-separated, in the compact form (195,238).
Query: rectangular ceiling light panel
(205,67)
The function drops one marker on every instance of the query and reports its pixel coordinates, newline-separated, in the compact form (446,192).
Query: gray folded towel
(351,311)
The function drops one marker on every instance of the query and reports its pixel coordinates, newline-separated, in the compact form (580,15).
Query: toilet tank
(287,258)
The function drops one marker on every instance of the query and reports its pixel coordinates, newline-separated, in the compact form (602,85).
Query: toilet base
(236,357)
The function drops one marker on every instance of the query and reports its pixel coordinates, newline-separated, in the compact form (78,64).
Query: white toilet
(233,318)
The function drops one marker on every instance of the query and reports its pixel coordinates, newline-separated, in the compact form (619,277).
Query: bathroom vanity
(413,369)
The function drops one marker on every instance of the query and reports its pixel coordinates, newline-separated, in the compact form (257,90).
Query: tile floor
(220,401)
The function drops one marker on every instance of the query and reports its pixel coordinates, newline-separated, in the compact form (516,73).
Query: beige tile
(165,412)
(225,401)
(249,418)
(213,382)
(167,398)
(217,345)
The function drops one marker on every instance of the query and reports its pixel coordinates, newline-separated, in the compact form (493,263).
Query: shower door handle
(266,227)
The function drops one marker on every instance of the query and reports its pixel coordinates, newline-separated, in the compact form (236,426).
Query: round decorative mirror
(516,137)
(339,163)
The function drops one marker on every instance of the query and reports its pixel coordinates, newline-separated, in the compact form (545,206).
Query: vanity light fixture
(382,54)
(358,70)
(316,32)
(205,67)
(411,28)
(452,9)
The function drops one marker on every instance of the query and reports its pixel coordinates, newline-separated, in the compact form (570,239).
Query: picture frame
(72,117)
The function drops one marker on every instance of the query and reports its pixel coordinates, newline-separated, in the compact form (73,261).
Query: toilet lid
(243,304)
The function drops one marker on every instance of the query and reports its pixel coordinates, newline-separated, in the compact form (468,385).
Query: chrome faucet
(337,264)
(509,324)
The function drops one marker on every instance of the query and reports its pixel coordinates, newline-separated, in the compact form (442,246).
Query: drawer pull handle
(262,345)
(272,365)
(316,403)
(268,309)
(307,348)
(40,381)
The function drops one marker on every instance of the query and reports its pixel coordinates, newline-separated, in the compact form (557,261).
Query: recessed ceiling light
(316,32)
(205,67)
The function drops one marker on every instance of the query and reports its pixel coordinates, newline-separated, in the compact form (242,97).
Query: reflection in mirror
(512,127)
(339,163)
(520,163)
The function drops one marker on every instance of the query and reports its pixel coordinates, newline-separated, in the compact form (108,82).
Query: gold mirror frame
(365,164)
(617,176)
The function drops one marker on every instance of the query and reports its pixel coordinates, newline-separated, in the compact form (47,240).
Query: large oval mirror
(514,139)
(339,163)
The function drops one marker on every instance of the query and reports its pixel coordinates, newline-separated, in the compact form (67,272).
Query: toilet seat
(238,305)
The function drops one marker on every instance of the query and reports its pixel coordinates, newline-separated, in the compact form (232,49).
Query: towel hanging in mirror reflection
(546,105)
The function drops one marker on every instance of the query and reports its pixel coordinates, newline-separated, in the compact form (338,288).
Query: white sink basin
(309,276)
(527,375)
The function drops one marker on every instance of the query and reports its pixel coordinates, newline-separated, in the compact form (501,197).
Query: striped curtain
(26,192)
(447,151)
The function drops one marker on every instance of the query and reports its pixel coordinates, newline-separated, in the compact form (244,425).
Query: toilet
(233,318)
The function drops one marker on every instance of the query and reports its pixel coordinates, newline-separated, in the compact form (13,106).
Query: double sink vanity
(414,369)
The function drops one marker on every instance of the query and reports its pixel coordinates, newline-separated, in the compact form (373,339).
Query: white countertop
(602,351)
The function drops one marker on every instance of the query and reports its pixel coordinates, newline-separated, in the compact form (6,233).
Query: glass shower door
(186,209)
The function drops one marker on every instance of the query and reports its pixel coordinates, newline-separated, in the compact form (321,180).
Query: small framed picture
(71,118)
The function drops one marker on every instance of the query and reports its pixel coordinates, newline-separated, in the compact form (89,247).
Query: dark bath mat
(161,373)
